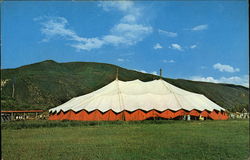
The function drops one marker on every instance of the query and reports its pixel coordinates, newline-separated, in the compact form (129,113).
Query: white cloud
(225,68)
(169,34)
(132,13)
(200,27)
(113,39)
(88,44)
(176,47)
(157,46)
(129,27)
(122,28)
(243,80)
(56,27)
(168,61)
(193,46)
(120,60)
(120,5)
(129,19)
(131,33)
(127,32)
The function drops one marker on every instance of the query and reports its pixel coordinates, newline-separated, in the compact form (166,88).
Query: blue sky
(196,40)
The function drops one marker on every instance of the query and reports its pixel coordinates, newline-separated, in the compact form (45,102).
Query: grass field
(203,140)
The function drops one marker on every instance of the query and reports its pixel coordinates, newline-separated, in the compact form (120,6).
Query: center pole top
(160,73)
(117,70)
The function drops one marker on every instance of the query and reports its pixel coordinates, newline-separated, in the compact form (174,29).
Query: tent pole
(160,73)
(117,72)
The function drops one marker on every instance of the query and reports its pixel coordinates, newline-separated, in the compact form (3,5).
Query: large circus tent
(138,100)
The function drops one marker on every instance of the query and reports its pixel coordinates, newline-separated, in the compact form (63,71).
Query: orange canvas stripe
(204,113)
(180,112)
(132,116)
(167,114)
(225,116)
(82,115)
(194,113)
(213,115)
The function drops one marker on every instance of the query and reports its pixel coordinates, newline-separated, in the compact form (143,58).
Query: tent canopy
(133,95)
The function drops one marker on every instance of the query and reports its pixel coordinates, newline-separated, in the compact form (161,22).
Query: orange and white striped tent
(137,100)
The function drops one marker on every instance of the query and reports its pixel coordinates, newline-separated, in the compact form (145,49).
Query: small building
(20,115)
(245,114)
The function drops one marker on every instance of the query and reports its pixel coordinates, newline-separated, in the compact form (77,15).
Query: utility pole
(13,90)
(160,73)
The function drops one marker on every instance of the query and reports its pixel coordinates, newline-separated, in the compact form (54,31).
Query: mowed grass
(174,140)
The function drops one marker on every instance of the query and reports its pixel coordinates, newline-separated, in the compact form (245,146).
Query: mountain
(47,84)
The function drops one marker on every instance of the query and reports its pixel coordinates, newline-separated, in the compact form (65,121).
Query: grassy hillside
(48,84)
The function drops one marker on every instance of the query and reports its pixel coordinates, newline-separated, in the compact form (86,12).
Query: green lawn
(126,140)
